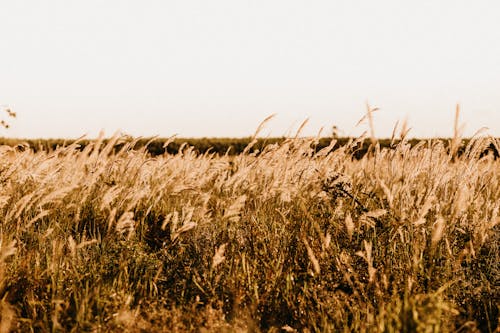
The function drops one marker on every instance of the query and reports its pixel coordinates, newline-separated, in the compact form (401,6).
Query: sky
(217,68)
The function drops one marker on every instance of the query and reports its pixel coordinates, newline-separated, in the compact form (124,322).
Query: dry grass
(290,240)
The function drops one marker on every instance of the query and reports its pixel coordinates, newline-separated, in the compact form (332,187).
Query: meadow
(107,237)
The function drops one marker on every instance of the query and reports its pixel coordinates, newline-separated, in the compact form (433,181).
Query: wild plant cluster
(288,239)
(10,114)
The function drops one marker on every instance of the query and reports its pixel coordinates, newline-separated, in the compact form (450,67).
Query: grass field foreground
(403,239)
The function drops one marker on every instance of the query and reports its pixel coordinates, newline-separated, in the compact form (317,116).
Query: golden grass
(291,239)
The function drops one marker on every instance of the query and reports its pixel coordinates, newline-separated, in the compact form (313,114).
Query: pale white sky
(219,67)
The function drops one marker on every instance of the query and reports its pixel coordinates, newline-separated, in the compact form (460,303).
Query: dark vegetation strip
(230,146)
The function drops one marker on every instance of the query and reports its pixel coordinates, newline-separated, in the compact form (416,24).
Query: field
(108,238)
(228,146)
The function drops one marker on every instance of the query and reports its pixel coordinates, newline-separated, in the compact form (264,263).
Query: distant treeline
(221,146)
